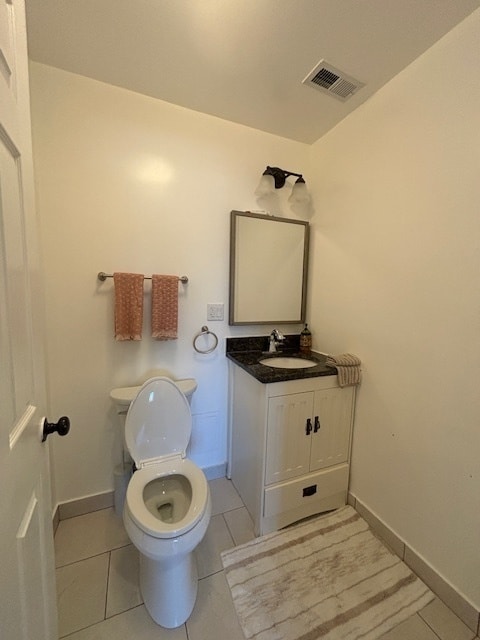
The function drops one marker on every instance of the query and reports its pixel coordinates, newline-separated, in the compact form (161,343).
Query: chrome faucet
(276,337)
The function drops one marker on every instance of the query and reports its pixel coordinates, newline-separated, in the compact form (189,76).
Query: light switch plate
(215,311)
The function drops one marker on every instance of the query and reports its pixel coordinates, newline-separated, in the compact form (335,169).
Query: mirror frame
(233,260)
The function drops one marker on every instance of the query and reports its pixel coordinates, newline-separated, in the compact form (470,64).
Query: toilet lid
(158,423)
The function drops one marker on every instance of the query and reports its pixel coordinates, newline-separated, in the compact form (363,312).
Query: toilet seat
(147,521)
(157,432)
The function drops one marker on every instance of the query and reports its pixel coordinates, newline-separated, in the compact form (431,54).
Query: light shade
(266,186)
(299,193)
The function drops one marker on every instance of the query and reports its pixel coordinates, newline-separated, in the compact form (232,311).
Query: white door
(27,587)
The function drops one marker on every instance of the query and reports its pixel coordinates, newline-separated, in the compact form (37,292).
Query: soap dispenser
(306,340)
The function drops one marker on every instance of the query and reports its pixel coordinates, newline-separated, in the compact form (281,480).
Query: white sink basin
(286,362)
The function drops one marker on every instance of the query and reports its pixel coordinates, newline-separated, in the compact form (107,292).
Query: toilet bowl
(167,507)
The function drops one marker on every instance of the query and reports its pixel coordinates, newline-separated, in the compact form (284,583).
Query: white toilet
(167,506)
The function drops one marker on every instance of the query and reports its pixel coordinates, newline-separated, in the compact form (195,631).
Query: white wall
(396,279)
(129,183)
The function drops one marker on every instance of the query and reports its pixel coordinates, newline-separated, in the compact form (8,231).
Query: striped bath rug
(328,578)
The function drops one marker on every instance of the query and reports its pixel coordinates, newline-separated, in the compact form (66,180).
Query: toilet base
(169,588)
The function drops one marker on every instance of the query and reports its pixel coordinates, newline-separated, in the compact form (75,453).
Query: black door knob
(62,427)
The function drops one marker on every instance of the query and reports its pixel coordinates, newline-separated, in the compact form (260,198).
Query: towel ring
(205,331)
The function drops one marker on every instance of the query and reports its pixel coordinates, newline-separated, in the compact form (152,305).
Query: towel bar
(102,276)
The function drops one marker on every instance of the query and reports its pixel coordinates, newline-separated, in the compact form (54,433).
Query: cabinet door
(288,438)
(332,424)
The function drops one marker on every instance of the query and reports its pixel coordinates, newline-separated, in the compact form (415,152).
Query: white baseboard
(441,587)
(215,471)
(80,506)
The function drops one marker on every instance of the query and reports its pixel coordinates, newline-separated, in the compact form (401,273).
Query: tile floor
(99,599)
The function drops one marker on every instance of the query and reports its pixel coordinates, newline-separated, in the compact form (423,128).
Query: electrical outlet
(215,311)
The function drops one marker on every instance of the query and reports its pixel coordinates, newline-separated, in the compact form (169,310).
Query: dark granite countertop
(246,353)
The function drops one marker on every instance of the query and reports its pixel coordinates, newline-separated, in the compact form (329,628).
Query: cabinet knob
(317,424)
(308,428)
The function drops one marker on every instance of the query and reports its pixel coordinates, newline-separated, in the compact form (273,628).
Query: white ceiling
(241,60)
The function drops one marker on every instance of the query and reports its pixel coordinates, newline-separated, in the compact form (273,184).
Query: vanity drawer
(306,490)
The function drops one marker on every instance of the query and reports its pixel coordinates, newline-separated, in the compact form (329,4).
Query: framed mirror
(268,269)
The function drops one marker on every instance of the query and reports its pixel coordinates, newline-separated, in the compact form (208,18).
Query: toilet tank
(123,396)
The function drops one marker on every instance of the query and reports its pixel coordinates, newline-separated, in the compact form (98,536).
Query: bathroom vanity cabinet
(290,446)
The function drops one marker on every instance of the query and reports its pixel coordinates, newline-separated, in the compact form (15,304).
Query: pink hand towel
(164,307)
(128,305)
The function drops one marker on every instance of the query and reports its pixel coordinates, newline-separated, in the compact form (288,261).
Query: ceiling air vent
(330,80)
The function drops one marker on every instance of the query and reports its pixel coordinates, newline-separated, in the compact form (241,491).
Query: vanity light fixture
(275,178)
